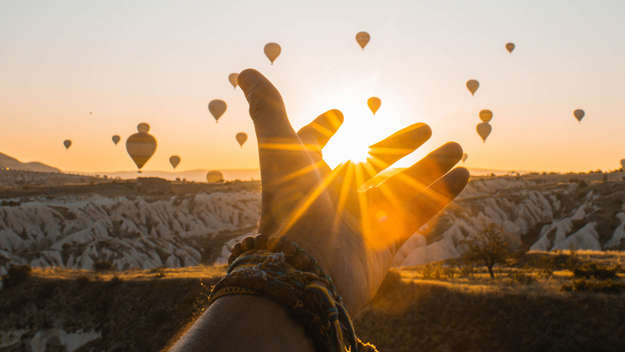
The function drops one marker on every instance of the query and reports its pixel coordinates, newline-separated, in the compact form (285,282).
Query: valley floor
(436,307)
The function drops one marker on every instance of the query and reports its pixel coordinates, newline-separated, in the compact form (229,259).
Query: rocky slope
(537,213)
(148,230)
(124,232)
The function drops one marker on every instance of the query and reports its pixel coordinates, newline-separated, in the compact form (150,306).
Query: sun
(360,129)
(348,144)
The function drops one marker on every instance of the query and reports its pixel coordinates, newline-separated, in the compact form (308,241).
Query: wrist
(283,272)
(245,323)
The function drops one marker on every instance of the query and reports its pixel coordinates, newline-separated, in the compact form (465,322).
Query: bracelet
(280,270)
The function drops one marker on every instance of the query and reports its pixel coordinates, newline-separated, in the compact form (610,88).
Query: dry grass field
(535,303)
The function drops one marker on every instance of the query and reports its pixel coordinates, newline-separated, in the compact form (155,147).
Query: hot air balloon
(214,176)
(486,115)
(472,86)
(241,138)
(217,107)
(465,156)
(362,38)
(141,147)
(143,127)
(67,143)
(374,104)
(233,79)
(579,114)
(272,51)
(115,139)
(174,160)
(510,47)
(483,129)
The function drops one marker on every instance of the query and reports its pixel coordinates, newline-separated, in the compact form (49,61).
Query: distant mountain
(197,175)
(7,162)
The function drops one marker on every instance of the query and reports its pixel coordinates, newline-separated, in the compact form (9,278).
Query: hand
(352,228)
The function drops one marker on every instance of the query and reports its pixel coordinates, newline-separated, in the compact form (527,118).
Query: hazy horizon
(161,63)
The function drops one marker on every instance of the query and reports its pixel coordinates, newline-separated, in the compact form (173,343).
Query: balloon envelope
(233,79)
(486,115)
(374,104)
(510,47)
(116,139)
(465,156)
(174,160)
(67,143)
(143,127)
(141,147)
(484,129)
(472,86)
(241,138)
(214,176)
(217,107)
(272,51)
(579,114)
(362,38)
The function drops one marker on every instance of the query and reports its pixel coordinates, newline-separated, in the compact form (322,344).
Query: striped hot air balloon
(141,147)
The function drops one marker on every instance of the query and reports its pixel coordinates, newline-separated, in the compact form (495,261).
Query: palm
(352,226)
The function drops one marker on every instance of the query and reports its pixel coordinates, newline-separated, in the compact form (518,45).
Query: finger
(283,159)
(266,106)
(422,174)
(399,144)
(280,151)
(431,201)
(316,134)
(401,219)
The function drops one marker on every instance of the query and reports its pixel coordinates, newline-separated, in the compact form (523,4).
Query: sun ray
(290,147)
(305,204)
(297,173)
(322,129)
(362,204)
(390,150)
(344,192)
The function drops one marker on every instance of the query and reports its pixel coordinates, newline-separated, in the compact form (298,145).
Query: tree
(487,247)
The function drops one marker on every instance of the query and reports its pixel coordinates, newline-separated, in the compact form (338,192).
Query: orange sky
(162,62)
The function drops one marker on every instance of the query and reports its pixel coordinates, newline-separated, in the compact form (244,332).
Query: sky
(161,62)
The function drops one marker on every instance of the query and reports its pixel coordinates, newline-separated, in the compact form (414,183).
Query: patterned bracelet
(282,271)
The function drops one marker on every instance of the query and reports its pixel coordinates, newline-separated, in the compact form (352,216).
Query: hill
(197,175)
(7,162)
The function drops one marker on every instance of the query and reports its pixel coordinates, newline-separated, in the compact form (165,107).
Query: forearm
(244,323)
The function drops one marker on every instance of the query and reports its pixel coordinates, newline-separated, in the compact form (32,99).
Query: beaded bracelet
(283,272)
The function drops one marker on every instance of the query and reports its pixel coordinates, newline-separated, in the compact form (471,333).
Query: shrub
(546,273)
(521,277)
(592,270)
(596,286)
(16,275)
(449,272)
(467,269)
(103,265)
(432,271)
(488,247)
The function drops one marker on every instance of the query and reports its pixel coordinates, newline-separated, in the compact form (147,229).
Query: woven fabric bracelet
(283,272)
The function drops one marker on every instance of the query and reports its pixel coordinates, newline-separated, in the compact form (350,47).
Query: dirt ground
(439,307)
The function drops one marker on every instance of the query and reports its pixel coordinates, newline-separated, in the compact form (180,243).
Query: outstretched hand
(353,229)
